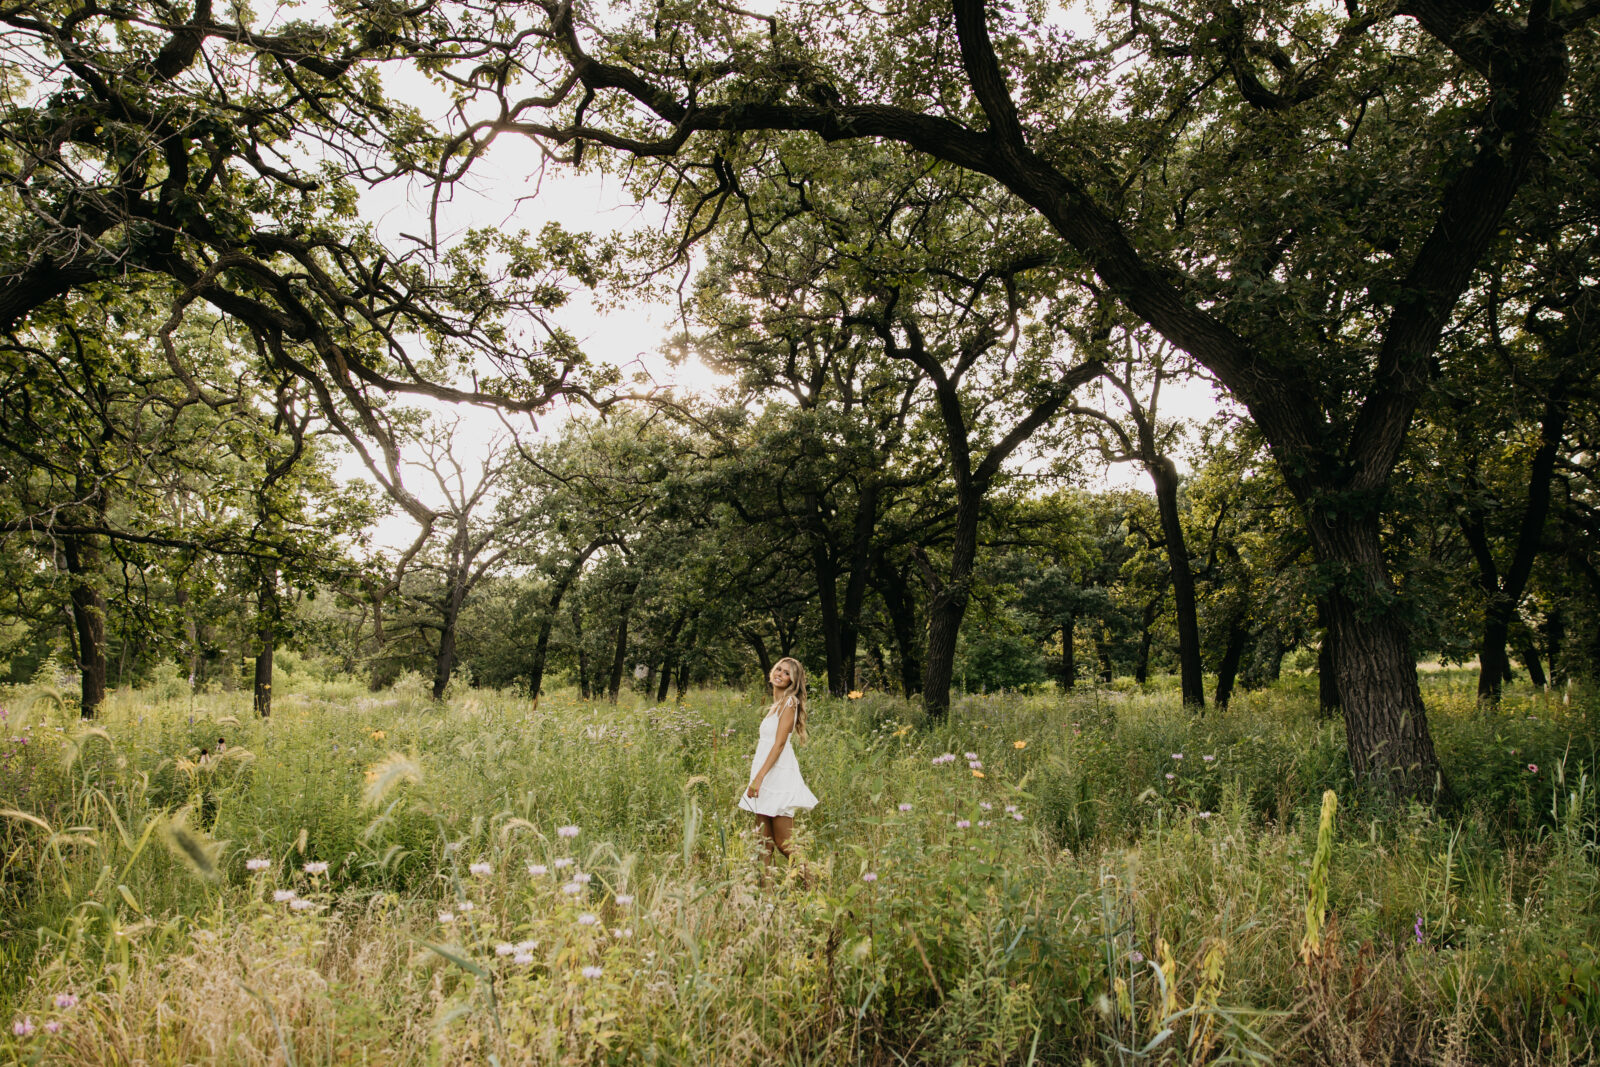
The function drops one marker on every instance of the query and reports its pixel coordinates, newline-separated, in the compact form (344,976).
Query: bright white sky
(507,190)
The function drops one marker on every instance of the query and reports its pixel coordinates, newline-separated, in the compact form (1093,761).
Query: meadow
(373,878)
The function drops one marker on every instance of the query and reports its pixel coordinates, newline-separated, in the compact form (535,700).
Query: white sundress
(783,791)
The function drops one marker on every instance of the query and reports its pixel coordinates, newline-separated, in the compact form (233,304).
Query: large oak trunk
(444,663)
(1386,725)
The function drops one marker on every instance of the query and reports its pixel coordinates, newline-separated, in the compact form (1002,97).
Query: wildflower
(972,755)
(481,870)
(977,774)
(905,807)
(447,917)
(257,864)
(586,919)
(52,1027)
(22,1027)
(317,867)
(854,694)
(1417,929)
(1533,768)
(1171,777)
(975,764)
(526,946)
(299,904)
(504,949)
(1205,815)
(522,958)
(572,888)
(984,822)
(622,932)
(566,831)
(582,879)
(538,870)
(466,905)
(65,1001)
(1010,808)
(1017,815)
(1136,956)
(624,899)
(592,971)
(985,805)
(1208,759)
(962,824)
(870,876)
(1019,745)
(1177,755)
(379,735)
(282,896)
(563,862)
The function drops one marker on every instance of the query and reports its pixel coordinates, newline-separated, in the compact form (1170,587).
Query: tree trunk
(763,657)
(620,657)
(827,575)
(445,661)
(1069,653)
(671,656)
(583,654)
(1141,668)
(266,638)
(1238,634)
(683,678)
(1327,674)
(855,587)
(1555,633)
(1529,654)
(89,621)
(948,606)
(1191,673)
(899,603)
(558,591)
(1386,724)
(1505,593)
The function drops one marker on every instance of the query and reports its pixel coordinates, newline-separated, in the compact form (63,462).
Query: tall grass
(1088,885)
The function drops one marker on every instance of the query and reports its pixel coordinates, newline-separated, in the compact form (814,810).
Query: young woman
(776,790)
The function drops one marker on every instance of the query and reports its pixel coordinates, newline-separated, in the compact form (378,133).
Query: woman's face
(780,677)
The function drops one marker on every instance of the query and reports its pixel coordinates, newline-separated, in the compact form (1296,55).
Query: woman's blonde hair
(797,689)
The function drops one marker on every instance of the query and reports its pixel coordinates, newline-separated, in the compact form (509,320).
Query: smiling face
(780,678)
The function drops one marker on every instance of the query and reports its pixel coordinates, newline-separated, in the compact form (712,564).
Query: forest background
(951,262)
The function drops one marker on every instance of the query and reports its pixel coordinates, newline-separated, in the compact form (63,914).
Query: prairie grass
(1096,889)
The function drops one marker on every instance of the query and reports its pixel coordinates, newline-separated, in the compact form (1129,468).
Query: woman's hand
(755,788)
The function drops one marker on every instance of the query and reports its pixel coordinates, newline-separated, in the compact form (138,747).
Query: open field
(1087,895)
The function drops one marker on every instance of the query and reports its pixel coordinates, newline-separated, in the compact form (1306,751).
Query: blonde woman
(776,790)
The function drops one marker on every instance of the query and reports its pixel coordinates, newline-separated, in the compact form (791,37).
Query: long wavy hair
(797,687)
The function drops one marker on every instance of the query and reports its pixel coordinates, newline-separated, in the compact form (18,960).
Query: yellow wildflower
(1019,744)
(854,694)
(379,735)
(977,774)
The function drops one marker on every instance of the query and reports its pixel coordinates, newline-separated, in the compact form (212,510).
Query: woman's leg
(765,823)
(782,831)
